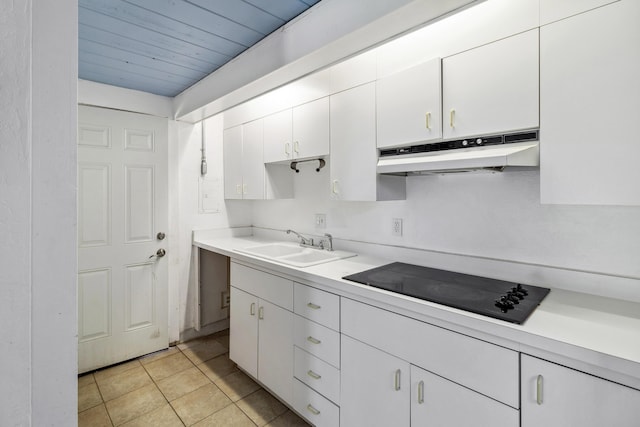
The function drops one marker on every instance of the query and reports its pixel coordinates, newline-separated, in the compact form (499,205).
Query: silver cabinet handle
(539,390)
(287,150)
(261,313)
(421,392)
(252,310)
(312,340)
(296,147)
(427,120)
(397,380)
(313,306)
(313,410)
(452,118)
(313,375)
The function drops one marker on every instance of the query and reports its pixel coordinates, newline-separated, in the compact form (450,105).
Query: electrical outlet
(226,299)
(396,227)
(321,221)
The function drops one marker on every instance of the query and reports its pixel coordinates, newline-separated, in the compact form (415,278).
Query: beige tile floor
(193,383)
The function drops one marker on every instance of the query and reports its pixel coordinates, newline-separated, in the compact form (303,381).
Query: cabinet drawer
(481,366)
(320,306)
(318,340)
(315,408)
(274,289)
(317,374)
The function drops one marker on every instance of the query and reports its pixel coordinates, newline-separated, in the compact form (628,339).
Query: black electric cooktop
(499,299)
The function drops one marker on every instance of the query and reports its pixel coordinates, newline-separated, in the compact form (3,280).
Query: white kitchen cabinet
(244,174)
(297,133)
(320,411)
(354,155)
(261,328)
(232,162)
(553,395)
(278,137)
(311,129)
(436,401)
(590,102)
(375,387)
(492,89)
(486,368)
(409,106)
(275,349)
(243,331)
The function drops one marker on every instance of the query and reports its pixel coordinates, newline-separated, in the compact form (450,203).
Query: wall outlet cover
(396,227)
(321,221)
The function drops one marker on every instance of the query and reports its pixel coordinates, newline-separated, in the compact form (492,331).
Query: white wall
(495,221)
(191,216)
(38,213)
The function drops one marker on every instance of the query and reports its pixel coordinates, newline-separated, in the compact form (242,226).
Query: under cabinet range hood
(489,153)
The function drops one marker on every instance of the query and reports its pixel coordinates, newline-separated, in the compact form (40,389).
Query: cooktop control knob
(520,290)
(504,304)
(479,141)
(465,143)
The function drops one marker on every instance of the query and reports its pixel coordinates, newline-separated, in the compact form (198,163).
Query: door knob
(159,254)
(161,236)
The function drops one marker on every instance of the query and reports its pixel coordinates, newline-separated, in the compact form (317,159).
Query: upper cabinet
(298,133)
(353,149)
(409,106)
(242,161)
(311,129)
(277,137)
(493,88)
(589,102)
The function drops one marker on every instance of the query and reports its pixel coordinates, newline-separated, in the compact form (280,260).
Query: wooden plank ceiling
(165,46)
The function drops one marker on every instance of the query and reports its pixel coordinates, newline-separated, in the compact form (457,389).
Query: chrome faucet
(304,241)
(328,240)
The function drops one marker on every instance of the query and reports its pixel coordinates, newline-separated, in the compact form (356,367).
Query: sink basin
(294,254)
(273,250)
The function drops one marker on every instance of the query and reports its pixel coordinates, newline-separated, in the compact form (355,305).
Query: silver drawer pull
(539,390)
(397,380)
(261,313)
(252,310)
(421,392)
(313,410)
(313,306)
(312,340)
(313,375)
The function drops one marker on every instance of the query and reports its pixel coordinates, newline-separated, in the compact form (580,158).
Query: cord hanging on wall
(321,163)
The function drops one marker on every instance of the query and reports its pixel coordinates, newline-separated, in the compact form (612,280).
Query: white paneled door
(122,224)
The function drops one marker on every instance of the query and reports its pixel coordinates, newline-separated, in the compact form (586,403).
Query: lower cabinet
(261,327)
(436,401)
(375,387)
(379,389)
(553,395)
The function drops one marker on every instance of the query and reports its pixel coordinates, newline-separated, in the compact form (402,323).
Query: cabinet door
(277,137)
(553,395)
(232,162)
(436,401)
(252,161)
(492,89)
(243,331)
(374,387)
(590,103)
(409,106)
(275,349)
(353,144)
(311,129)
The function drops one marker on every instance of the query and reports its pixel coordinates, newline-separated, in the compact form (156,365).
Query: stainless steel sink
(294,254)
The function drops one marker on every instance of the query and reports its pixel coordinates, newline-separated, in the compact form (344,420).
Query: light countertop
(589,333)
